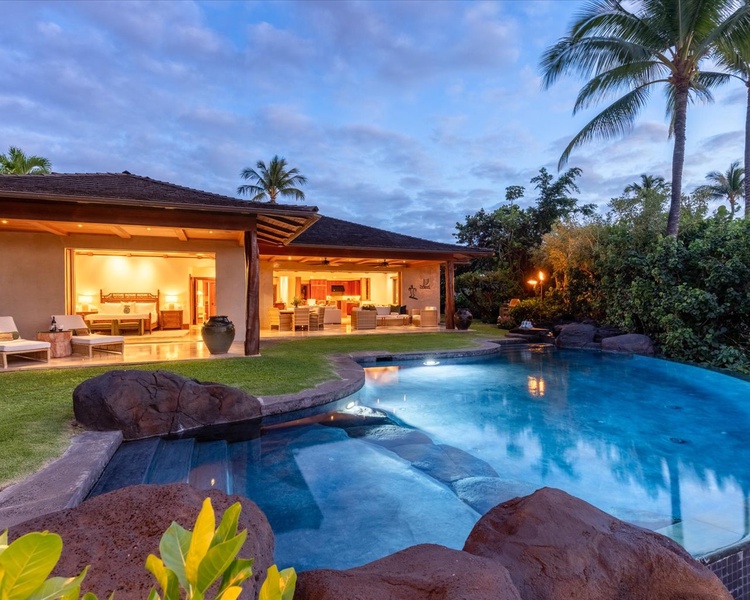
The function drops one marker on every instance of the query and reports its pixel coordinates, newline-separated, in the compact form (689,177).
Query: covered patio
(88,243)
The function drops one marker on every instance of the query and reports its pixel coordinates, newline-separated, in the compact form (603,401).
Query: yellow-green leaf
(228,526)
(60,587)
(288,582)
(217,560)
(238,571)
(271,588)
(173,548)
(231,593)
(203,533)
(27,562)
(165,577)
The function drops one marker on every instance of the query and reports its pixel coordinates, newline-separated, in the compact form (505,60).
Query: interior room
(176,290)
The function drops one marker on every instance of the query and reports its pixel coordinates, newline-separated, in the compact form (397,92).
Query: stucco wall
(420,286)
(230,287)
(32,280)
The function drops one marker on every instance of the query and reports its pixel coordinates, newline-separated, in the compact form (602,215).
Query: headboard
(130,297)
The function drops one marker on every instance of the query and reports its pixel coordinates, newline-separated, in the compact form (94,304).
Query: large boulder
(557,546)
(630,343)
(144,404)
(424,572)
(576,335)
(115,532)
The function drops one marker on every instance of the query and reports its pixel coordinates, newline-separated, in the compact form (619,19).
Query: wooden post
(450,295)
(252,296)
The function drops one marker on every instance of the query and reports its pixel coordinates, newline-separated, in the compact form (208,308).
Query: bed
(125,311)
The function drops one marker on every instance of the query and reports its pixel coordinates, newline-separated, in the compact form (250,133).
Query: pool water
(422,450)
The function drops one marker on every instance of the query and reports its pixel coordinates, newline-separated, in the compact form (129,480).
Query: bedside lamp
(171,299)
(84,301)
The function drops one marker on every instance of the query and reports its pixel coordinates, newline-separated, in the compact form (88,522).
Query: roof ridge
(171,185)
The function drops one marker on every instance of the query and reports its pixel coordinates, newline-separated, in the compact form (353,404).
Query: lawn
(36,408)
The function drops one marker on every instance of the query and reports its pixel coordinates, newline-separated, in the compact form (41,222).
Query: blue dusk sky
(402,115)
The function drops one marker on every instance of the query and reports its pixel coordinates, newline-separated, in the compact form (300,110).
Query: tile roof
(330,232)
(130,188)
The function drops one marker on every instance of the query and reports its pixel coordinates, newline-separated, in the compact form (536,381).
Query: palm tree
(664,42)
(272,180)
(648,182)
(736,60)
(729,185)
(17,163)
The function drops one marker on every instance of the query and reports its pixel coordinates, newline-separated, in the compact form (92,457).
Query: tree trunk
(747,153)
(252,295)
(678,158)
(450,295)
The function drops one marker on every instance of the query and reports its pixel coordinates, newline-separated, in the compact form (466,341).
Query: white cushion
(93,340)
(21,345)
(383,310)
(70,322)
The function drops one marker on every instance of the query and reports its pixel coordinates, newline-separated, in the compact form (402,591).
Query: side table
(170,319)
(59,342)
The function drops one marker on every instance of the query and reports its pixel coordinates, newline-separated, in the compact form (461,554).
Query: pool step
(210,466)
(204,465)
(171,462)
(129,466)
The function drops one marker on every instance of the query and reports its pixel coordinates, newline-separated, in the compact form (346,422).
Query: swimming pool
(423,449)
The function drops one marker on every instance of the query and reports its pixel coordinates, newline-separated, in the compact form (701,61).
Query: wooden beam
(450,295)
(252,296)
(50,229)
(120,232)
(181,234)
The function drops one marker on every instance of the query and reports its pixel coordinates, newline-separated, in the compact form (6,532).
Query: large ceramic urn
(463,318)
(218,334)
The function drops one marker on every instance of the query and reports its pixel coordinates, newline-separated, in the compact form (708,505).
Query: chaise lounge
(12,344)
(84,342)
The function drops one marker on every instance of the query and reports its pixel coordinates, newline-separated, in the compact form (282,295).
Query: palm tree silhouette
(272,181)
(661,42)
(729,185)
(17,163)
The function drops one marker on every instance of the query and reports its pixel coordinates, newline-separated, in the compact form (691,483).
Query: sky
(402,115)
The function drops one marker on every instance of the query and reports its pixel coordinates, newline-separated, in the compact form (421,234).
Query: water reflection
(653,442)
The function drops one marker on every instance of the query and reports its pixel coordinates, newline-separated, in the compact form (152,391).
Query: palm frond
(614,121)
(624,77)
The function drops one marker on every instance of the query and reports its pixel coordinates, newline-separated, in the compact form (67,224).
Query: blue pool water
(422,451)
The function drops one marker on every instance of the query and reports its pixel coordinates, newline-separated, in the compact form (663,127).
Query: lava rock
(144,404)
(115,532)
(424,572)
(575,335)
(557,546)
(631,343)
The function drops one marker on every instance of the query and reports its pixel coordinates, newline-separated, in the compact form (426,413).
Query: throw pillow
(6,337)
(81,331)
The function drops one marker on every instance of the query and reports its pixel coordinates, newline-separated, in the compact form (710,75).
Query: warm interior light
(84,301)
(5,221)
(532,282)
(541,276)
(171,299)
(79,225)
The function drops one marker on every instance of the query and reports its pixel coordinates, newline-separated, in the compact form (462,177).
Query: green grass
(36,407)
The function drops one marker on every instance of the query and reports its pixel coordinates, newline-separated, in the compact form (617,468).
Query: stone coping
(66,482)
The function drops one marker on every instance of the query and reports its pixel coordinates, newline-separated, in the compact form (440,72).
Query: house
(67,240)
